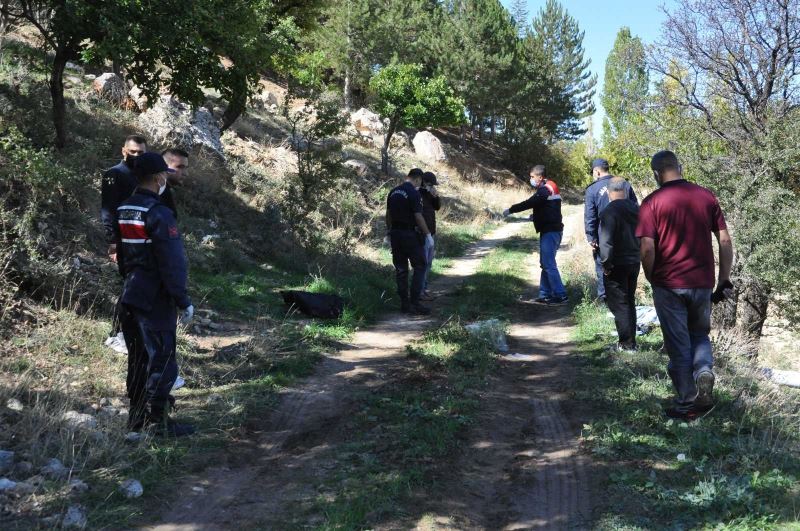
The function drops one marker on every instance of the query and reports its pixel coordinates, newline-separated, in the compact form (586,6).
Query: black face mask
(129,160)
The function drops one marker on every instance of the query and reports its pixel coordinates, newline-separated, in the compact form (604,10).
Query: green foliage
(626,83)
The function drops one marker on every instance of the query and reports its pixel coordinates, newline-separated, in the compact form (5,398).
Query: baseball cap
(600,163)
(150,163)
(429,178)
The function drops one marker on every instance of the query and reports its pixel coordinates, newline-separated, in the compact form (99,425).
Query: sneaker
(117,344)
(427,296)
(620,349)
(553,301)
(705,389)
(418,309)
(179,382)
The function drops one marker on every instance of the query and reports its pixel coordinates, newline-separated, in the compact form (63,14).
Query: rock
(75,420)
(105,402)
(216,326)
(78,486)
(131,488)
(7,485)
(111,87)
(267,99)
(90,77)
(54,469)
(23,469)
(75,517)
(138,98)
(108,412)
(6,461)
(73,66)
(75,80)
(359,168)
(366,122)
(23,488)
(400,139)
(208,239)
(133,437)
(14,405)
(172,123)
(428,147)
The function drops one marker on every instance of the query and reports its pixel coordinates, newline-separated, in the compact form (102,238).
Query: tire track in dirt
(280,463)
(522,467)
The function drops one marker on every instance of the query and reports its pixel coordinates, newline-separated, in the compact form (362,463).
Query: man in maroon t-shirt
(675,227)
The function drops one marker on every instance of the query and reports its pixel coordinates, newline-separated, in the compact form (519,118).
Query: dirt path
(280,465)
(523,468)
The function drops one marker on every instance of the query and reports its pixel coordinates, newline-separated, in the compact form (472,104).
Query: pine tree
(519,13)
(626,82)
(561,40)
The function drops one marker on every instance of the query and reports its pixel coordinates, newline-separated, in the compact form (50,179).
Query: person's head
(134,146)
(600,168)
(429,179)
(617,188)
(538,174)
(666,167)
(415,177)
(152,172)
(178,160)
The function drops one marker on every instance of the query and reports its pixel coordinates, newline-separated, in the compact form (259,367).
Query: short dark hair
(138,139)
(539,170)
(664,160)
(177,152)
(416,173)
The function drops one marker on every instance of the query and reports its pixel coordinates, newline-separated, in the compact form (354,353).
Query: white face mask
(162,188)
(533,183)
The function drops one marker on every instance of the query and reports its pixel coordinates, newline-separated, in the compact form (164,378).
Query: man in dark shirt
(153,263)
(178,161)
(117,185)
(675,227)
(410,240)
(595,200)
(619,256)
(431,202)
(546,205)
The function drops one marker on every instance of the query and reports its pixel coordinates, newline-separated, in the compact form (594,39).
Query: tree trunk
(231,114)
(464,138)
(387,139)
(57,95)
(494,127)
(348,91)
(752,308)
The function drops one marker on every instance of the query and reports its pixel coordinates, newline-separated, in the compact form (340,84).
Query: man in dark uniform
(117,185)
(431,202)
(410,240)
(178,161)
(152,261)
(595,200)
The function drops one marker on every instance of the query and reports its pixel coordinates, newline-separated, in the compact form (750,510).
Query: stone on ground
(75,518)
(428,147)
(360,168)
(54,469)
(131,488)
(171,123)
(6,461)
(111,87)
(75,420)
(14,405)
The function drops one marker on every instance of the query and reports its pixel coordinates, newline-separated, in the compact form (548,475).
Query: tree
(561,40)
(733,69)
(519,14)
(626,81)
(408,99)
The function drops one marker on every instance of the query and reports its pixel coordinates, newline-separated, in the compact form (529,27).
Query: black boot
(137,415)
(165,426)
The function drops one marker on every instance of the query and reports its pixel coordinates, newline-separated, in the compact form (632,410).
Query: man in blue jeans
(546,206)
(675,227)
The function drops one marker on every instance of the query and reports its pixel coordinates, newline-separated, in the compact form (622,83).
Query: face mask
(161,187)
(129,160)
(533,183)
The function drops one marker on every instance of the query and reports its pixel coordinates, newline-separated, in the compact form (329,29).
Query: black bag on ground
(315,304)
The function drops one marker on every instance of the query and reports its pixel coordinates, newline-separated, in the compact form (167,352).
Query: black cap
(150,163)
(416,173)
(429,178)
(600,163)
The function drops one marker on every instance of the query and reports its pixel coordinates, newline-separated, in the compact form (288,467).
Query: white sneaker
(179,382)
(117,344)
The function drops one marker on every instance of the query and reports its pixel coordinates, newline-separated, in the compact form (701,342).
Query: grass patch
(736,468)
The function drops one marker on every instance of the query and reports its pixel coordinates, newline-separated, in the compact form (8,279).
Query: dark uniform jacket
(546,205)
(118,184)
(594,201)
(152,260)
(430,205)
(618,242)
(403,203)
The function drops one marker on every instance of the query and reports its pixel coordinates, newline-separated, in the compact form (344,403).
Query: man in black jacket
(619,256)
(546,205)
(431,202)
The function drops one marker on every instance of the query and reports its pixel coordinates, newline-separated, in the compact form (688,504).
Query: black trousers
(152,367)
(620,287)
(407,248)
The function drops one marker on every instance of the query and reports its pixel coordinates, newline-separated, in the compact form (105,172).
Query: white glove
(186,315)
(506,213)
(428,242)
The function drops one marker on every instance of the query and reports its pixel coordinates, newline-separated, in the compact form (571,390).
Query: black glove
(723,292)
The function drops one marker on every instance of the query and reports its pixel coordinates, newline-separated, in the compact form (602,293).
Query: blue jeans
(550,284)
(600,274)
(685,317)
(430,254)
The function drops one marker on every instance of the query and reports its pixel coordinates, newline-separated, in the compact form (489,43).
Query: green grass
(736,468)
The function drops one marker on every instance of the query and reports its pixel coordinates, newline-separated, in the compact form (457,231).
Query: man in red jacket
(675,227)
